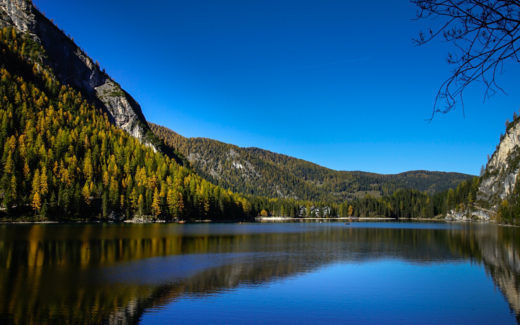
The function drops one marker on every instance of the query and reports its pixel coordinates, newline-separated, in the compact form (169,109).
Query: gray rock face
(499,179)
(72,66)
(502,260)
(17,13)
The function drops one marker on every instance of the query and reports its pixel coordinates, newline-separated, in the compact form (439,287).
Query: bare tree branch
(486,33)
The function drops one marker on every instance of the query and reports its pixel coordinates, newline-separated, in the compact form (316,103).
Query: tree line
(261,172)
(62,159)
(401,204)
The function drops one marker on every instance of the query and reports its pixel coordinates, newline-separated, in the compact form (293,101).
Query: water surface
(370,273)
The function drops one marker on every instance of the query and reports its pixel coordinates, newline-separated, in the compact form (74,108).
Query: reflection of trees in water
(53,275)
(207,282)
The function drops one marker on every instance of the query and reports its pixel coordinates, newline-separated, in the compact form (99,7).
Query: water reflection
(113,273)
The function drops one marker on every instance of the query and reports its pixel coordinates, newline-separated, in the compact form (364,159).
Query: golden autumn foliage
(62,156)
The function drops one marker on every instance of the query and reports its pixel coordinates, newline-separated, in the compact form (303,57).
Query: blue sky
(338,83)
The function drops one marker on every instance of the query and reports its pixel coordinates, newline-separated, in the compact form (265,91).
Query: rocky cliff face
(17,13)
(72,66)
(499,179)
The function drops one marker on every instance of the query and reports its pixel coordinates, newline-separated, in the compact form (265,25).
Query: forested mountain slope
(74,145)
(72,66)
(63,158)
(261,172)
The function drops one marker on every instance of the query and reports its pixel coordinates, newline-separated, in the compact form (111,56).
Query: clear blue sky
(338,83)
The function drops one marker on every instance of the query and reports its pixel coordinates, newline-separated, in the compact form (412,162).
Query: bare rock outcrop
(500,177)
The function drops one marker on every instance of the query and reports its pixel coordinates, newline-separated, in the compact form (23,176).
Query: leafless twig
(486,34)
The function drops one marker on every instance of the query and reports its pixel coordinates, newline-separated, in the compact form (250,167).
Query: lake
(260,273)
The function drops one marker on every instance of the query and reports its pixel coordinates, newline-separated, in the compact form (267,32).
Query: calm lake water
(296,273)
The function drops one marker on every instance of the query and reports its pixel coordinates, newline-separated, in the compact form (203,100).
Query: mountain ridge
(79,146)
(64,158)
(234,167)
(73,66)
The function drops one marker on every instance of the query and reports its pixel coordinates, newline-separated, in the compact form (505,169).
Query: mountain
(495,195)
(499,191)
(261,172)
(72,66)
(74,145)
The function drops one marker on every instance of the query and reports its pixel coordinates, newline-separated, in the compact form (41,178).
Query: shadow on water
(114,273)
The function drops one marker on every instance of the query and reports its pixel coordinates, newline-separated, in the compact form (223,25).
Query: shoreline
(255,220)
(266,219)
(121,222)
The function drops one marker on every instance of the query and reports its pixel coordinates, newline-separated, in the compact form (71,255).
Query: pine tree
(85,191)
(36,202)
(156,203)
(44,187)
(140,204)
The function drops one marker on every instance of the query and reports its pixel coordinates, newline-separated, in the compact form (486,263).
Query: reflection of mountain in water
(92,274)
(498,248)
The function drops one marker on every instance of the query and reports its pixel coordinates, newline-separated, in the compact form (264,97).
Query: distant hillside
(76,146)
(261,172)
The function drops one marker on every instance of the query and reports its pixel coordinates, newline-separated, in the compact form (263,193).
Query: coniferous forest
(108,218)
(62,159)
(261,172)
